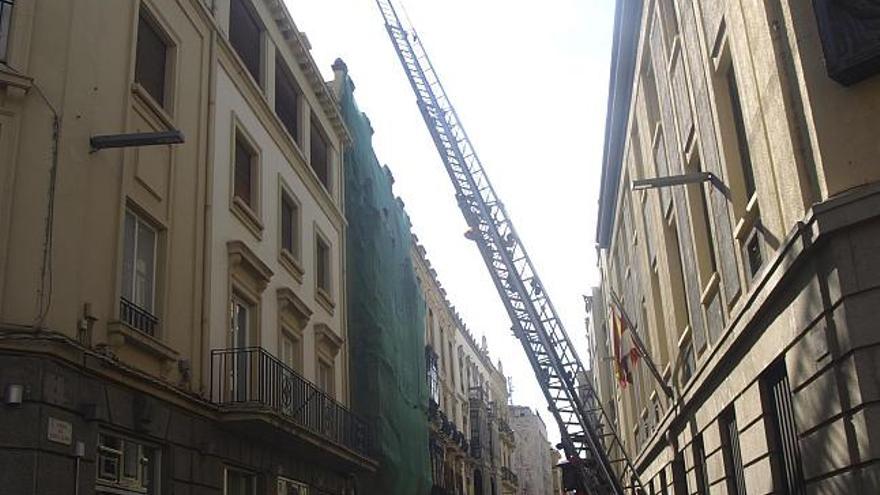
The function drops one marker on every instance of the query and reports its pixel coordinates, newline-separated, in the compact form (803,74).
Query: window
(679,476)
(240,482)
(322,261)
(785,449)
(244,187)
(753,256)
(291,351)
(126,466)
(150,62)
(138,274)
(703,237)
(289,225)
(286,99)
(5,27)
(663,483)
(745,157)
(242,313)
(290,487)
(700,472)
(688,362)
(320,154)
(433,374)
(326,377)
(733,466)
(246,36)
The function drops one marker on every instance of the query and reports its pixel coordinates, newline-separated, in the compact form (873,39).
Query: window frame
(730,450)
(161,31)
(7,8)
(139,221)
(288,334)
(250,11)
(252,476)
(283,73)
(291,259)
(317,130)
(147,480)
(248,212)
(325,363)
(323,294)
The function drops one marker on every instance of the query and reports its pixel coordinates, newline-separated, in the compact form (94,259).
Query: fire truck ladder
(588,438)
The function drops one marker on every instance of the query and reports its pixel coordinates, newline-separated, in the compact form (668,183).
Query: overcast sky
(529,80)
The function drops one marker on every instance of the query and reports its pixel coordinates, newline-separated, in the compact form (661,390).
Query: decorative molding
(241,256)
(289,304)
(850,32)
(326,338)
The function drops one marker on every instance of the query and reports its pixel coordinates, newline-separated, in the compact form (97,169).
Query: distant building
(471,441)
(556,472)
(739,226)
(532,460)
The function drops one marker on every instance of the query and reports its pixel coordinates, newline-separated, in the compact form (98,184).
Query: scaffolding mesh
(386,314)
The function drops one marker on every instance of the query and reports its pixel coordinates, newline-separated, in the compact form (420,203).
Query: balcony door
(241,329)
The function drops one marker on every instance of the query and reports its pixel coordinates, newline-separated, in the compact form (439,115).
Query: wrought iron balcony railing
(251,377)
(137,317)
(509,476)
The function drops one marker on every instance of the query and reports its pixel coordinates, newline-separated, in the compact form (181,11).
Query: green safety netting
(386,314)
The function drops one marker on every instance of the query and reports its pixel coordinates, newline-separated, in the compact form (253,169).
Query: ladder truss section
(587,435)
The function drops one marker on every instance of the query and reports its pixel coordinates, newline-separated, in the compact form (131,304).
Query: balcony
(252,380)
(137,317)
(509,477)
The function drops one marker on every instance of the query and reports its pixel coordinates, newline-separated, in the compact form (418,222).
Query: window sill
(247,216)
(747,222)
(711,289)
(324,299)
(291,264)
(121,334)
(154,106)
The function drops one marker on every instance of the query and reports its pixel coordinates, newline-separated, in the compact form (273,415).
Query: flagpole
(641,346)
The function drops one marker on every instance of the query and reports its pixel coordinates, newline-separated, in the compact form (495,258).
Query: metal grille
(785,430)
(733,466)
(251,377)
(5,26)
(535,322)
(700,472)
(137,317)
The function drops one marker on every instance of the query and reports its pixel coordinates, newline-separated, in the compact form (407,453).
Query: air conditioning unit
(291,487)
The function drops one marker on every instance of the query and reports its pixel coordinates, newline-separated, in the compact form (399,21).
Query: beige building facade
(533,460)
(172,316)
(472,443)
(749,269)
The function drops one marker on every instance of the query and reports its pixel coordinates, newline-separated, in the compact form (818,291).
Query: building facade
(471,442)
(738,227)
(533,460)
(172,295)
(386,312)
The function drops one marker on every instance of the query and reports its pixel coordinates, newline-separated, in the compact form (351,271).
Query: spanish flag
(626,354)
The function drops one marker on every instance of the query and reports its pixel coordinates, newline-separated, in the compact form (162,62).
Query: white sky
(529,81)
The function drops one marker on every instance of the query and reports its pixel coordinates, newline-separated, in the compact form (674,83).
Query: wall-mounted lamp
(135,139)
(675,180)
(14,394)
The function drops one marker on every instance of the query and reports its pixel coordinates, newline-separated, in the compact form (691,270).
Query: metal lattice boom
(587,435)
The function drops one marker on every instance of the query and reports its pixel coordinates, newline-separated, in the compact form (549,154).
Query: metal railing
(251,377)
(136,316)
(509,476)
(5,26)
